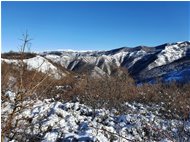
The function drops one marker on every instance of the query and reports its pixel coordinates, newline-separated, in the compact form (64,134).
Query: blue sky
(94,25)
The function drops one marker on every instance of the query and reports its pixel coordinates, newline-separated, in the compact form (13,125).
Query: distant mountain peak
(143,63)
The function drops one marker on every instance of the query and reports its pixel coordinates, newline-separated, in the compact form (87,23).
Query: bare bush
(24,84)
(16,55)
(114,91)
(173,97)
(109,92)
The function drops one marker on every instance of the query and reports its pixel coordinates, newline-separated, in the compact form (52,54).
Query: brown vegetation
(173,97)
(17,55)
(110,92)
(24,84)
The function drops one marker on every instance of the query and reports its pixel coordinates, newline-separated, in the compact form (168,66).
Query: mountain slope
(165,62)
(40,64)
(143,63)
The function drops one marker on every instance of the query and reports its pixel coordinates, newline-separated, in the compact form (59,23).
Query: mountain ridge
(144,64)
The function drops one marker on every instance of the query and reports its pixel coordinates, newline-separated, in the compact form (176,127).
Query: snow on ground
(57,121)
(168,55)
(38,63)
(54,58)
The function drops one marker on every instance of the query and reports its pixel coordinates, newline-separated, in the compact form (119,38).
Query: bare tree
(24,90)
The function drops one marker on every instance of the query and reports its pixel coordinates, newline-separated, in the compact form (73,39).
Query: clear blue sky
(94,25)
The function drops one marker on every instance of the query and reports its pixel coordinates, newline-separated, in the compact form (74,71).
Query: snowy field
(51,121)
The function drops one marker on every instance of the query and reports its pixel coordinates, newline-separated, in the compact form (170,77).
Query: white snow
(50,137)
(73,58)
(171,53)
(168,55)
(40,64)
(11,95)
(119,57)
(55,58)
(71,121)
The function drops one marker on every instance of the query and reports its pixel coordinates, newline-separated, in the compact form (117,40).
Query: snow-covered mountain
(166,62)
(40,64)
(144,113)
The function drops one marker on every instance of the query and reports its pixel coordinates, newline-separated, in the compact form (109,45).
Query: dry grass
(24,84)
(174,97)
(17,55)
(110,92)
